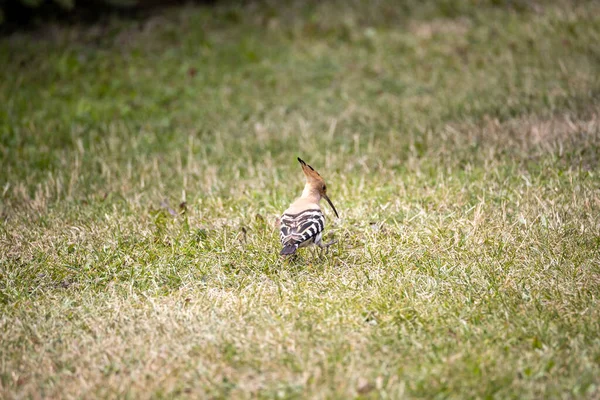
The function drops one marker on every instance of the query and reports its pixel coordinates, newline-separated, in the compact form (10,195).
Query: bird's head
(315,184)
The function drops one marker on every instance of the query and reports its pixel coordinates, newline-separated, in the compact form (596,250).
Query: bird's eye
(324,187)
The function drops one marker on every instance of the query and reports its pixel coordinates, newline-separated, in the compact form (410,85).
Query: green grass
(460,144)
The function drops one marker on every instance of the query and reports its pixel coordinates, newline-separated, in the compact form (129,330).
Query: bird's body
(301,229)
(302,224)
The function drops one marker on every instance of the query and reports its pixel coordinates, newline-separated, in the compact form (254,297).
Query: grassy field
(144,164)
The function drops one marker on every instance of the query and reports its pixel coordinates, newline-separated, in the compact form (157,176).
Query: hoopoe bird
(303,222)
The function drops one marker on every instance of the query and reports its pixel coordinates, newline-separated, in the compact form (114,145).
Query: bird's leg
(326,245)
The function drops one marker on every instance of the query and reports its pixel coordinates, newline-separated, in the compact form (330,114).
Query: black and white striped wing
(301,228)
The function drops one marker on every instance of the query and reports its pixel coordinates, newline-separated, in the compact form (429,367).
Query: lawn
(144,163)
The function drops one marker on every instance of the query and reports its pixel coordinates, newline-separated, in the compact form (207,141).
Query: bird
(303,222)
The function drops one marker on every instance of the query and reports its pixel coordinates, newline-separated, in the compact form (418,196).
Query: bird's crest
(312,176)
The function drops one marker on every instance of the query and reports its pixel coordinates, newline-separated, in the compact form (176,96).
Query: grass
(144,163)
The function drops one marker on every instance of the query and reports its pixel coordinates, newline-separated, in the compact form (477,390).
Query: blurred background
(132,94)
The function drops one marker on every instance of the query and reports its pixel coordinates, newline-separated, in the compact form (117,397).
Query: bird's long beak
(331,204)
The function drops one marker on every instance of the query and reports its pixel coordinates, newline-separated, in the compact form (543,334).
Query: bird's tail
(289,249)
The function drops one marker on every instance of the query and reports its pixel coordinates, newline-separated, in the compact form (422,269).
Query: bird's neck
(311,194)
